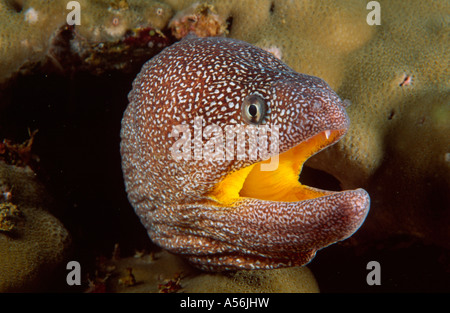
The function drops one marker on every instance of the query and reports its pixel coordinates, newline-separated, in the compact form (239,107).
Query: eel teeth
(327,133)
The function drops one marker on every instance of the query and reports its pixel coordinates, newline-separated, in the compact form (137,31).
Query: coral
(27,27)
(37,33)
(107,21)
(396,75)
(32,241)
(171,285)
(164,272)
(18,154)
(129,279)
(200,19)
(115,35)
(294,279)
(8,216)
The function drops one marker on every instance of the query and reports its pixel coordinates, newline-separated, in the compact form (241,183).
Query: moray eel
(229,213)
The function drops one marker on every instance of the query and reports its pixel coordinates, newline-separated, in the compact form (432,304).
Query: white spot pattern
(209,78)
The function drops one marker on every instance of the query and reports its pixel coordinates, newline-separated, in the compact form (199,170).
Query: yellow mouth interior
(281,184)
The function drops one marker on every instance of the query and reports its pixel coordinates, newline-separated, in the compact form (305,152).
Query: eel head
(212,168)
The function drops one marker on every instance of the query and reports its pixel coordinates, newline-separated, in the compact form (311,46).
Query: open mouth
(281,184)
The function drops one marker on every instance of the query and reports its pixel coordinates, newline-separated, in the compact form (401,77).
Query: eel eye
(254,109)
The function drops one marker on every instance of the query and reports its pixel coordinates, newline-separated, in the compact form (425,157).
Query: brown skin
(176,199)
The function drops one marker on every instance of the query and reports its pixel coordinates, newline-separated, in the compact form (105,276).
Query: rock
(36,242)
(110,34)
(165,272)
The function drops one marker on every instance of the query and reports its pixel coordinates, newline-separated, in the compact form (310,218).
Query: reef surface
(71,82)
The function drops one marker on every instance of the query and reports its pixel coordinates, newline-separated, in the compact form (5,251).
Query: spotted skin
(209,78)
